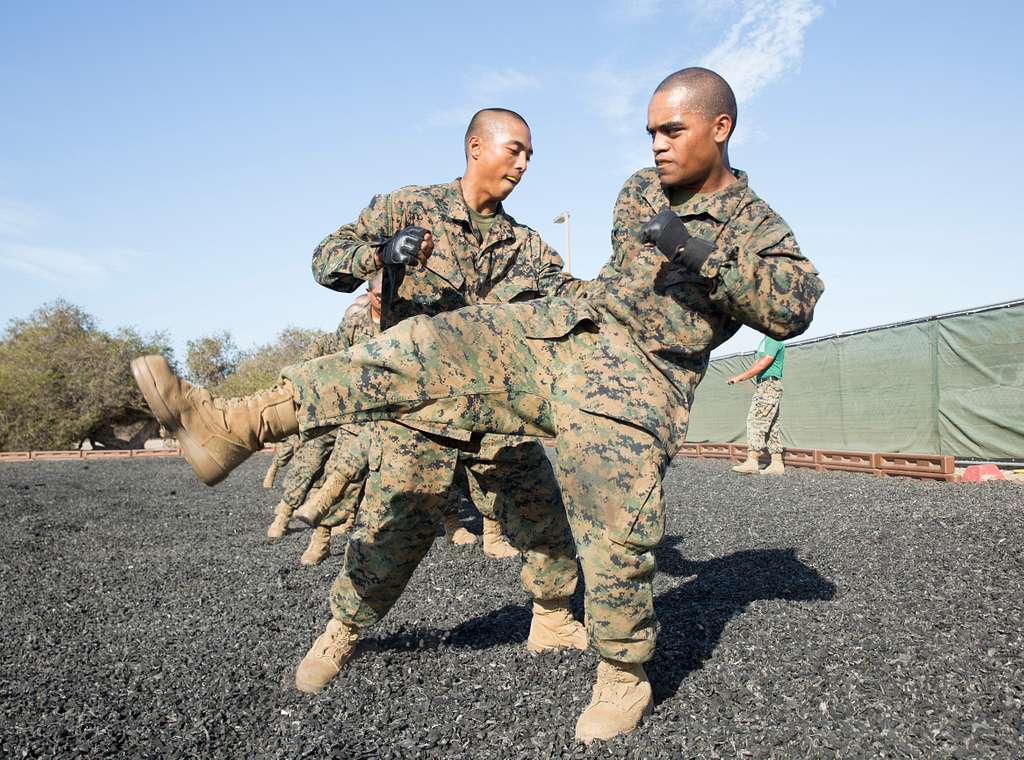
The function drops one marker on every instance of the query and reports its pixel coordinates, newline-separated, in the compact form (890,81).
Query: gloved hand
(667,231)
(404,247)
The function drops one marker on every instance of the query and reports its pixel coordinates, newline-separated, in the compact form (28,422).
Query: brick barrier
(67,454)
(889,465)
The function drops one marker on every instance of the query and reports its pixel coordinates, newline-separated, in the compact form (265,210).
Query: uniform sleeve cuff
(365,265)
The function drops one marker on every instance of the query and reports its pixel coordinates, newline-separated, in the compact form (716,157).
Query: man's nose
(659,143)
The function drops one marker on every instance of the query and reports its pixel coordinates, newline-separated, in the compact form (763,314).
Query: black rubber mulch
(824,615)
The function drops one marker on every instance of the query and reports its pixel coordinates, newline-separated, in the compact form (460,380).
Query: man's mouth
(513,179)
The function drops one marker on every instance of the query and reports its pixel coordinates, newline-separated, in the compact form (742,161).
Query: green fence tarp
(947,385)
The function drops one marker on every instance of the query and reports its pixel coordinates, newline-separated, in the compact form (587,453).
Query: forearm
(349,256)
(774,294)
(343,261)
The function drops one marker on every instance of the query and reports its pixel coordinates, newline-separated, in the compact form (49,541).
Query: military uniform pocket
(639,522)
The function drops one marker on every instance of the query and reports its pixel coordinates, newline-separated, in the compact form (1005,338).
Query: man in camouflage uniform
(763,416)
(610,375)
(464,250)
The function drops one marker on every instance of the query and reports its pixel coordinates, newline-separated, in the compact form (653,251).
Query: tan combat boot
(749,467)
(622,697)
(216,435)
(282,514)
(268,479)
(554,627)
(776,467)
(325,658)
(454,531)
(495,543)
(318,505)
(319,547)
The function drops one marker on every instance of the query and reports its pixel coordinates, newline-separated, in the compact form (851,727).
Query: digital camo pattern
(310,460)
(631,349)
(513,263)
(286,450)
(397,521)
(763,419)
(512,475)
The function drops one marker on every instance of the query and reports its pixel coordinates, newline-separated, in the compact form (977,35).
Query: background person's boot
(554,627)
(268,479)
(282,514)
(454,531)
(749,467)
(319,502)
(495,543)
(325,658)
(319,547)
(621,699)
(776,467)
(215,434)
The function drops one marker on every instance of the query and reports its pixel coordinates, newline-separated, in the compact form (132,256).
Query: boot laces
(236,401)
(333,642)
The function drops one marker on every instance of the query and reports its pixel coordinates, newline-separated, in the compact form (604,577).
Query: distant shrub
(61,377)
(211,359)
(260,367)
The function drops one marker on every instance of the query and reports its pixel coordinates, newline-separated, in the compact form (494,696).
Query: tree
(61,377)
(211,359)
(259,367)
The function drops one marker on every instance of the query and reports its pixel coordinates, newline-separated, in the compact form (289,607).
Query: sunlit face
(501,154)
(686,143)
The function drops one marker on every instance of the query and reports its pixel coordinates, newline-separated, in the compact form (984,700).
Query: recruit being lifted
(609,374)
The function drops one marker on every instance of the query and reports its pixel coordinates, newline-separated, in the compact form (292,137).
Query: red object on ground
(979,472)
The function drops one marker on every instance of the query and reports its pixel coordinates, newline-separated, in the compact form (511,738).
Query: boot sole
(647,713)
(542,648)
(206,468)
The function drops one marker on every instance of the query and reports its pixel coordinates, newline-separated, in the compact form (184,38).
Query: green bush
(61,377)
(258,368)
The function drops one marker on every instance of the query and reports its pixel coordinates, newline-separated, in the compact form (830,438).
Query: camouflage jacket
(357,326)
(513,264)
(660,320)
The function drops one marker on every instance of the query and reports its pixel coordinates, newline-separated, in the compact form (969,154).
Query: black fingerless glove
(403,248)
(667,231)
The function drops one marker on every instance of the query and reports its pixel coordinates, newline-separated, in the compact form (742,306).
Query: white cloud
(502,81)
(17,220)
(766,43)
(20,251)
(485,87)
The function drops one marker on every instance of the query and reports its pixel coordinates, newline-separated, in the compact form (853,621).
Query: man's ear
(473,147)
(722,127)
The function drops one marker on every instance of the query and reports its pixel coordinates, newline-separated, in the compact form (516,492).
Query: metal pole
(568,243)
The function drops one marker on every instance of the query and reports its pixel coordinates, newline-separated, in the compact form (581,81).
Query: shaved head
(700,90)
(488,121)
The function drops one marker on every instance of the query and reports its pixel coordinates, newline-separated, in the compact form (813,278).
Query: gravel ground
(825,615)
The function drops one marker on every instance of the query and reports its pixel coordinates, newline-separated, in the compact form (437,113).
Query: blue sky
(173,166)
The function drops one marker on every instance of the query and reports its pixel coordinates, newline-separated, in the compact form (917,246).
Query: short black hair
(485,116)
(710,94)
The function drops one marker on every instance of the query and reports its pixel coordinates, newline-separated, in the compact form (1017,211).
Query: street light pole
(563,218)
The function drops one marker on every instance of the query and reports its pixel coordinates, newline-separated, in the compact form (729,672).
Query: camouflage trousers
(763,418)
(306,469)
(286,450)
(479,369)
(413,479)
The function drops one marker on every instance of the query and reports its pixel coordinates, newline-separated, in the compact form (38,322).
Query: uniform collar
(455,208)
(721,205)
